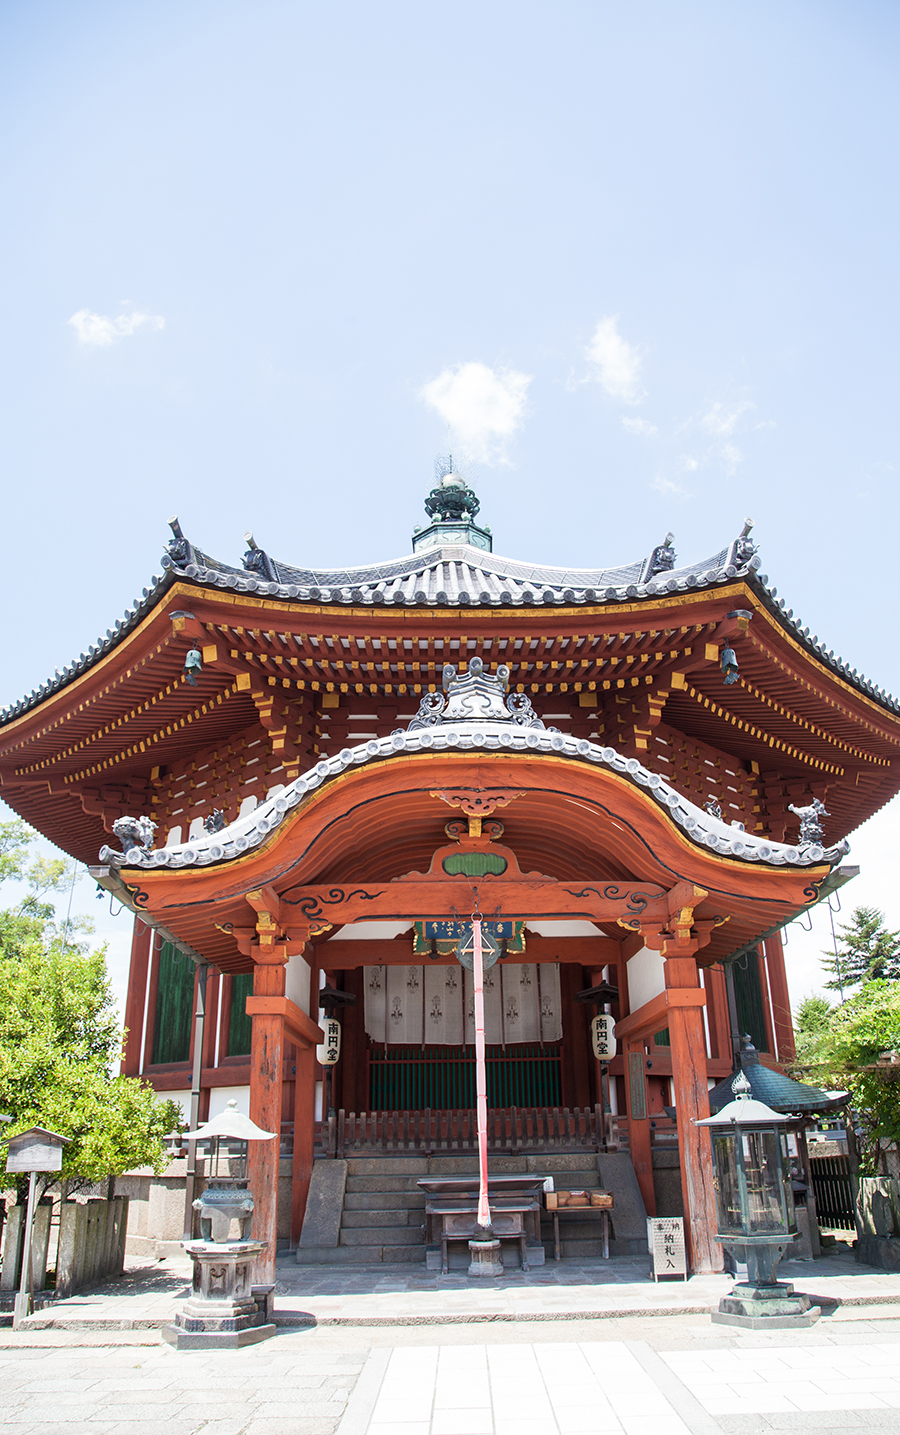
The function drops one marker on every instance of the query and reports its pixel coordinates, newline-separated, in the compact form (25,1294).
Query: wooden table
(601,1211)
(451,1209)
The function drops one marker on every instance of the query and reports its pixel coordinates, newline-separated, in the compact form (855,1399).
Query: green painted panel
(443,1078)
(240,1024)
(474,864)
(749,1000)
(662,1038)
(174,1007)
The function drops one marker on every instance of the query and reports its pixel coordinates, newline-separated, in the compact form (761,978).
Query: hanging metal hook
(121,906)
(837,897)
(803,926)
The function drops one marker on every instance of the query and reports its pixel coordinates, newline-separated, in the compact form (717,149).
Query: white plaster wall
(182,1097)
(645,977)
(371,931)
(220,1096)
(296,982)
(573,928)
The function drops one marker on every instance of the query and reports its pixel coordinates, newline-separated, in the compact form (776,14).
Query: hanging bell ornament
(193,664)
(730,665)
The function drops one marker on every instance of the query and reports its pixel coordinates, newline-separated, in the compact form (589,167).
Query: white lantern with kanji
(603,1037)
(327,1054)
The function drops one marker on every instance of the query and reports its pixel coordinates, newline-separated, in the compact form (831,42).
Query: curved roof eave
(255,828)
(454,576)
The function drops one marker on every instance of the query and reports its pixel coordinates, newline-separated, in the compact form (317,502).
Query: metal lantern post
(755,1211)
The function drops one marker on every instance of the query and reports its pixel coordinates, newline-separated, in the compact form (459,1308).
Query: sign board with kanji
(665,1238)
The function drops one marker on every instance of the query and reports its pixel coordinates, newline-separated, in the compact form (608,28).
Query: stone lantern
(224,1311)
(755,1211)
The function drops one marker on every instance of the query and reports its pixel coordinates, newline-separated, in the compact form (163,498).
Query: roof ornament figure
(256,560)
(811,831)
(713,807)
(475,696)
(134,832)
(214,821)
(662,559)
(179,549)
(743,548)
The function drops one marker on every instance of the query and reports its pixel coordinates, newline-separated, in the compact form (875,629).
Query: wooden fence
(511,1131)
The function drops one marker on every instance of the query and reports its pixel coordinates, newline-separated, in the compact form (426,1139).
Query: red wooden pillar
(141,940)
(638,1123)
(304,1137)
(688,1042)
(781,1001)
(266,1075)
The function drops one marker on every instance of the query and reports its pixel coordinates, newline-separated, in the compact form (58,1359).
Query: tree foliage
(59,1037)
(811,1027)
(838,1048)
(867,952)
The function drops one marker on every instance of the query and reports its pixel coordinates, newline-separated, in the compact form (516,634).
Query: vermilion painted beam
(345,955)
(655,1014)
(298,1026)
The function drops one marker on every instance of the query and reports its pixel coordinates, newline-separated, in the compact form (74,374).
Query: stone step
(379,1201)
(359,1220)
(387,1166)
(360,1255)
(398,1236)
(382,1184)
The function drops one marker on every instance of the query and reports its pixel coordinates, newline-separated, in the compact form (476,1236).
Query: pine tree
(867,952)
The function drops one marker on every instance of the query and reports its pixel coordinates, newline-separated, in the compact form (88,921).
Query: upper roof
(454,575)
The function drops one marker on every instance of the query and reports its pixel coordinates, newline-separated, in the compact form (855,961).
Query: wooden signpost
(32,1151)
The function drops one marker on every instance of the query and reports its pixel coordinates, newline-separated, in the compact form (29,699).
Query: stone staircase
(382,1217)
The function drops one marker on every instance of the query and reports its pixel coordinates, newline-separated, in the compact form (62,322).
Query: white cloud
(96,330)
(668,487)
(640,426)
(618,363)
(482,406)
(722,419)
(686,463)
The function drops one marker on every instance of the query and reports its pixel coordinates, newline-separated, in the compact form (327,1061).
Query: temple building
(305,783)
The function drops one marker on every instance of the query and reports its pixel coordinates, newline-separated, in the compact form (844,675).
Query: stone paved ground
(147,1296)
(674,1375)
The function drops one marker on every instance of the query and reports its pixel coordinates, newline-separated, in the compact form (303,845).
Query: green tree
(855,1034)
(59,1038)
(867,952)
(810,1029)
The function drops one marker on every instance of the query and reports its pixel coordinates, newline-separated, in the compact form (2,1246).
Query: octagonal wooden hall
(337,768)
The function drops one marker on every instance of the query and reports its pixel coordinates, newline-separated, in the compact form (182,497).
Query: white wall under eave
(371,931)
(646,977)
(220,1096)
(296,982)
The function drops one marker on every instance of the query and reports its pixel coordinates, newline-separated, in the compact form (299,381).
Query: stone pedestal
(485,1258)
(224,1311)
(773,1307)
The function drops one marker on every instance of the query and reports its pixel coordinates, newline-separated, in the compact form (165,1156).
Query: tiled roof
(452,576)
(254,828)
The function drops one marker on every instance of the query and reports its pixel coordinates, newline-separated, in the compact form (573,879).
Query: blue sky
(642,258)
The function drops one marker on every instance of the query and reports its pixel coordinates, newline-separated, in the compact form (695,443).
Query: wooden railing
(511,1131)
